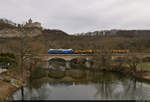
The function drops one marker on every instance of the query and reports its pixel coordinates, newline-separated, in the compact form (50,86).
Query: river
(94,86)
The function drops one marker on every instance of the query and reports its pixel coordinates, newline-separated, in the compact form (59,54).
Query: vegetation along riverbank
(128,65)
(13,79)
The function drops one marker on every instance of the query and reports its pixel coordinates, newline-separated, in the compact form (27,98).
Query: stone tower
(30,21)
(31,24)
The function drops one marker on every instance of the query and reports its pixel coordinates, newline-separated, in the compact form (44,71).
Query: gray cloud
(75,16)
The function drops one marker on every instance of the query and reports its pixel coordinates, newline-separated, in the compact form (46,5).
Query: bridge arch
(63,57)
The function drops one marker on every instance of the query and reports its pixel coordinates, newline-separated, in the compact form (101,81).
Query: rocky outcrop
(10,33)
(13,33)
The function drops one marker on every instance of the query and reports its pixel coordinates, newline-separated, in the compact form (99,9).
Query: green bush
(7,55)
(8,58)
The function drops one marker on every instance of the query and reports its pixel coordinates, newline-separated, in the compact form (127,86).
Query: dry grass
(6,90)
(144,66)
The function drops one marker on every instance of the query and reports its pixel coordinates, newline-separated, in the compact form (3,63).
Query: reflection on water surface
(93,86)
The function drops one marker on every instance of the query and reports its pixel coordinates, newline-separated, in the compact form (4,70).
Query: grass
(145,66)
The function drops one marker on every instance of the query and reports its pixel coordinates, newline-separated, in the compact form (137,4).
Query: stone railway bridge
(46,57)
(67,57)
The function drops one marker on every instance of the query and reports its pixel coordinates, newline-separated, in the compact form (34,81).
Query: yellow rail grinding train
(90,51)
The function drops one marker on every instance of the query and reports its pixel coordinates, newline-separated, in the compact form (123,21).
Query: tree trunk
(22,92)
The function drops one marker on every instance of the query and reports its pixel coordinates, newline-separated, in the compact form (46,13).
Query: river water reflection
(94,86)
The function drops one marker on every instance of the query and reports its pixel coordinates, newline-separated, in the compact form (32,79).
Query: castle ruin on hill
(31,24)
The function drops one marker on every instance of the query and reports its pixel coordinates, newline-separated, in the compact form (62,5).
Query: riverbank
(8,87)
(10,81)
(142,75)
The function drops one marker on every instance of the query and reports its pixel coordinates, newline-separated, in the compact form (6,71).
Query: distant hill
(55,34)
(124,33)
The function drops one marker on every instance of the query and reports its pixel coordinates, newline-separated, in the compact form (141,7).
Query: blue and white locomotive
(60,51)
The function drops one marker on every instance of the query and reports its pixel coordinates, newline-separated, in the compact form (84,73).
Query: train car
(120,51)
(89,51)
(112,51)
(60,51)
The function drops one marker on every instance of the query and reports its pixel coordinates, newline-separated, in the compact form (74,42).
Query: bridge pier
(87,64)
(68,65)
(46,64)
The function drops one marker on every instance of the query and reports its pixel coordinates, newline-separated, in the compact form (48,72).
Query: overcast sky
(75,16)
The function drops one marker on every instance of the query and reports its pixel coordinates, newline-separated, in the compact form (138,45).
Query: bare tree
(102,61)
(132,62)
(120,62)
(24,51)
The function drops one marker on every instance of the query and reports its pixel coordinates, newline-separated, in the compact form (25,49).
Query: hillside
(40,40)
